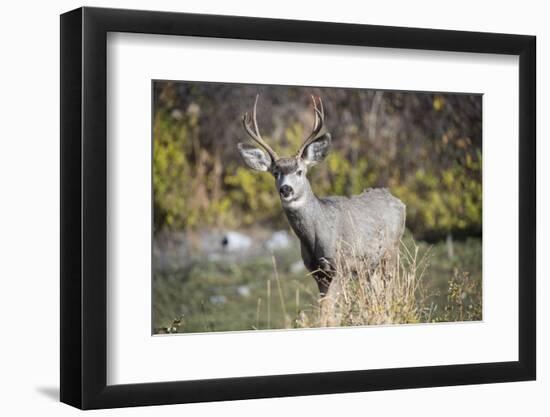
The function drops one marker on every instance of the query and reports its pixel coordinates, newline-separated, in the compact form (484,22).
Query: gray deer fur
(371,222)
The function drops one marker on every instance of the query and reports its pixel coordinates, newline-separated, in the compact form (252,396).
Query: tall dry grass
(362,293)
(387,292)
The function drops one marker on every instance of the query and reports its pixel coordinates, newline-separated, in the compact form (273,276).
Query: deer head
(290,173)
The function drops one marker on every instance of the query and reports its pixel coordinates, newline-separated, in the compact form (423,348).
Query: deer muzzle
(286,191)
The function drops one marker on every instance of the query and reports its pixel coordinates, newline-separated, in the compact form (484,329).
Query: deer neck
(303,217)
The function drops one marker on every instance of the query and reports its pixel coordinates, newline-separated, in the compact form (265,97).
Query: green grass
(444,274)
(228,296)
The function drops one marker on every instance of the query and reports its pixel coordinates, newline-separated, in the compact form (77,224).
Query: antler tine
(315,114)
(255,134)
(254,116)
(319,115)
(318,124)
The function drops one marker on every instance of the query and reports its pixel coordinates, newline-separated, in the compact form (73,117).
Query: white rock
(243,290)
(235,241)
(279,240)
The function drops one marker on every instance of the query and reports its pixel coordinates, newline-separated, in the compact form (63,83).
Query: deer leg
(323,283)
(324,275)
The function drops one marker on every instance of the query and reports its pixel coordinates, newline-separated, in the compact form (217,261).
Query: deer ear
(316,151)
(254,157)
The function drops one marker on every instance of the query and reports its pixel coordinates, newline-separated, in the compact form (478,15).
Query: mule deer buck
(372,223)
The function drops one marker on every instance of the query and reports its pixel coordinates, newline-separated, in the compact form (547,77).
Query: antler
(255,134)
(318,124)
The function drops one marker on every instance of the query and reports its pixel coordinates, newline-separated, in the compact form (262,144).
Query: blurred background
(224,257)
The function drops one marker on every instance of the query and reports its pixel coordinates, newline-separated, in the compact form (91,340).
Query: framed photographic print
(256,208)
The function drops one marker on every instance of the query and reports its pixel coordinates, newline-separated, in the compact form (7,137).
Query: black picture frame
(84,207)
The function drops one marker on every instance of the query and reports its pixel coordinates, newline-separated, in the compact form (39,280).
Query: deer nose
(286,190)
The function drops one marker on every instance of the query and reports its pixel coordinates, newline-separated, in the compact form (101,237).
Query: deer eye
(299,172)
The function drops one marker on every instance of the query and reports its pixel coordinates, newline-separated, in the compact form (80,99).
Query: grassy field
(269,291)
